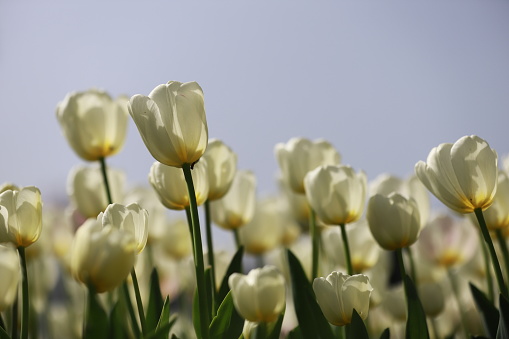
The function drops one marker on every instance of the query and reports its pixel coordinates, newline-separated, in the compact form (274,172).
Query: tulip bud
(102,256)
(462,175)
(432,298)
(176,241)
(336,193)
(339,294)
(10,273)
(170,184)
(94,124)
(299,156)
(172,122)
(222,165)
(393,220)
(20,216)
(258,296)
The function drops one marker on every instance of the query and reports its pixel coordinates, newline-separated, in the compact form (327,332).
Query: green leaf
(503,323)
(489,312)
(416,326)
(97,325)
(234,267)
(312,323)
(356,329)
(295,333)
(162,332)
(386,334)
(155,302)
(196,314)
(227,323)
(118,321)
(209,289)
(165,313)
(3,334)
(274,329)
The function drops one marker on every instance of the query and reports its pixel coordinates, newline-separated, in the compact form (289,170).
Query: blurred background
(384,82)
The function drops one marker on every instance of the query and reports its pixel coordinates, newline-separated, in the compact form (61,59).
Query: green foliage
(234,267)
(155,302)
(97,324)
(227,323)
(386,334)
(356,329)
(488,311)
(118,321)
(503,323)
(416,326)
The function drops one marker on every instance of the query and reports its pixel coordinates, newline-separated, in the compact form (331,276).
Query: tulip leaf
(117,321)
(196,314)
(295,333)
(3,334)
(416,325)
(162,332)
(208,287)
(312,323)
(274,329)
(503,323)
(164,319)
(155,302)
(234,267)
(386,334)
(97,325)
(488,311)
(227,323)
(356,329)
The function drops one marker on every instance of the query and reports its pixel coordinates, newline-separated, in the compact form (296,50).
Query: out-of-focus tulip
(412,187)
(102,256)
(432,298)
(85,187)
(336,193)
(260,295)
(176,241)
(299,156)
(448,242)
(8,186)
(172,122)
(10,273)
(462,175)
(222,165)
(131,218)
(237,207)
(170,184)
(20,216)
(339,294)
(393,220)
(497,216)
(298,203)
(394,302)
(94,124)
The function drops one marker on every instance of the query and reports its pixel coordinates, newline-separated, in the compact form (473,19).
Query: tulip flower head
(462,175)
(172,123)
(497,216)
(222,165)
(339,294)
(94,124)
(258,296)
(10,273)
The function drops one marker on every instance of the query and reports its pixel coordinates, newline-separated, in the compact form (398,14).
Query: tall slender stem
(401,264)
(210,255)
(493,254)
(190,224)
(503,247)
(236,237)
(14,320)
(25,309)
(314,243)
(413,273)
(455,291)
(130,310)
(346,247)
(198,254)
(105,178)
(138,301)
(489,278)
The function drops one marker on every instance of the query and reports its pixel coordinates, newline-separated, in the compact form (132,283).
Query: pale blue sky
(384,81)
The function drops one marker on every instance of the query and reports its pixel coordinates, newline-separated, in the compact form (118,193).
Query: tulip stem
(198,254)
(130,309)
(105,178)
(138,301)
(493,254)
(210,255)
(503,247)
(237,238)
(190,224)
(347,249)
(25,308)
(401,264)
(489,278)
(455,291)
(15,313)
(413,273)
(314,243)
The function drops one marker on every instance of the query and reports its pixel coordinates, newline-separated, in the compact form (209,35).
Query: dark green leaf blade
(386,334)
(489,312)
(416,325)
(155,302)
(295,333)
(227,323)
(274,329)
(234,267)
(97,324)
(118,321)
(503,323)
(356,329)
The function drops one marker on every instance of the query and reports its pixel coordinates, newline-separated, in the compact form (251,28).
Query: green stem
(503,247)
(347,249)
(190,224)
(489,278)
(210,256)
(139,302)
(493,254)
(130,309)
(14,320)
(456,293)
(401,264)
(314,243)
(25,310)
(237,237)
(105,178)
(413,273)
(198,254)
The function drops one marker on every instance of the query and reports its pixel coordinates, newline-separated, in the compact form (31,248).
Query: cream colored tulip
(10,273)
(20,216)
(131,218)
(298,203)
(462,175)
(432,297)
(102,256)
(94,124)
(336,193)
(299,156)
(85,187)
(172,122)
(497,215)
(170,184)
(260,295)
(339,294)
(393,220)
(222,165)
(237,207)
(177,241)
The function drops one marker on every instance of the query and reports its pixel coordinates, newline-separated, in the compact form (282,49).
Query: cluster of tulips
(326,258)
